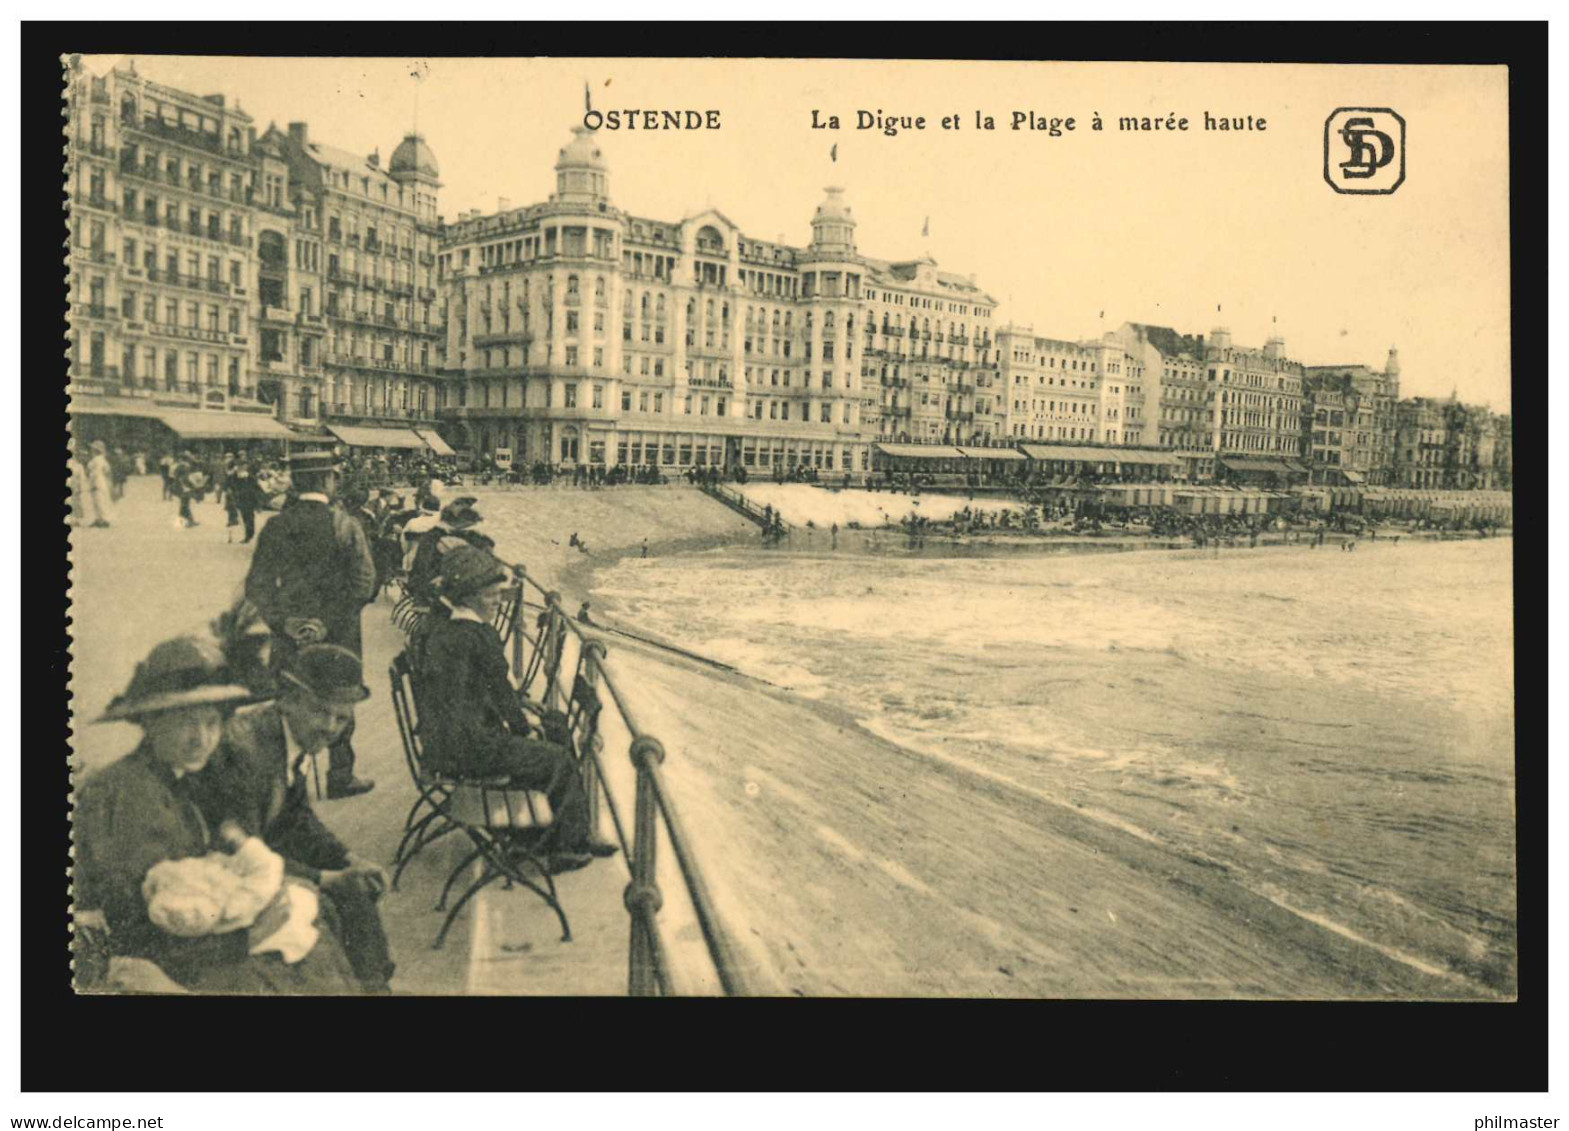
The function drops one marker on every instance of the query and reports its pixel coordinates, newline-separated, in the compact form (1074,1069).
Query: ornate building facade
(581,334)
(162,265)
(1349,422)
(350,323)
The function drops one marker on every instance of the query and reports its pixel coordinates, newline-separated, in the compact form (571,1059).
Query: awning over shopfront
(1155,458)
(194,425)
(1353,476)
(189,423)
(437,444)
(990,453)
(1061,452)
(377,437)
(1058,452)
(1274,466)
(920,451)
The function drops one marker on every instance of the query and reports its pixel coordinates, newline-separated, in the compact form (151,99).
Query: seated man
(473,717)
(455,529)
(257,779)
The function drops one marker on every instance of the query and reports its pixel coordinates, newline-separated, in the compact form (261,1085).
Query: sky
(1072,234)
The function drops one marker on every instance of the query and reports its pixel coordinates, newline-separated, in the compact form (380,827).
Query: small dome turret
(582,174)
(833,224)
(413,158)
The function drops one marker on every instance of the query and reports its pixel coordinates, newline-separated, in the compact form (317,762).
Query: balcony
(504,338)
(280,314)
(96,255)
(89,374)
(217,286)
(98,312)
(101,203)
(427,294)
(188,333)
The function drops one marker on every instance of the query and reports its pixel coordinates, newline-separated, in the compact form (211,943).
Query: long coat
(312,560)
(134,814)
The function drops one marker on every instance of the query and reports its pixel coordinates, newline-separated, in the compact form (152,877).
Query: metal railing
(556,646)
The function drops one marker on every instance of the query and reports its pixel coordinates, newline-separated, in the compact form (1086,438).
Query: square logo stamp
(1365,151)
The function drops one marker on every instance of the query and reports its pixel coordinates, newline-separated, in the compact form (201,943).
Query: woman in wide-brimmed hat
(140,812)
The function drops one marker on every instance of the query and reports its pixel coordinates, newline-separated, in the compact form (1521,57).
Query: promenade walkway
(144,579)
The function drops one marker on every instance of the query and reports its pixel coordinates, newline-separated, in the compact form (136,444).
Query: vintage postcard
(790,528)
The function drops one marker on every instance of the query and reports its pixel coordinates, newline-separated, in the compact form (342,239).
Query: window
(599,396)
(626,406)
(570,391)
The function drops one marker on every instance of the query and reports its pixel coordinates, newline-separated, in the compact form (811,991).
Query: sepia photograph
(821,528)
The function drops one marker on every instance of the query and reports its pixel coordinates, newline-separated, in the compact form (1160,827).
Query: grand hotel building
(577,333)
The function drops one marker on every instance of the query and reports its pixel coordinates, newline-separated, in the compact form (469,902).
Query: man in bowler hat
(310,577)
(258,779)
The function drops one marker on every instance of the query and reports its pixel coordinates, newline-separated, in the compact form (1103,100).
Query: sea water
(1335,728)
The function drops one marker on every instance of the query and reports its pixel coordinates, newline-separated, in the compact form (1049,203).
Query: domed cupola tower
(413,161)
(833,226)
(413,167)
(582,177)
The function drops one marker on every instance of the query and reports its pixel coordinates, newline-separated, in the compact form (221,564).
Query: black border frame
(594,1045)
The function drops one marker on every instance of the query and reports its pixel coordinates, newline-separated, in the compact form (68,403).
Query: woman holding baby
(210,907)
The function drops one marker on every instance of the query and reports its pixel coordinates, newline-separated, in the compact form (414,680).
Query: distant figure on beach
(582,615)
(645,547)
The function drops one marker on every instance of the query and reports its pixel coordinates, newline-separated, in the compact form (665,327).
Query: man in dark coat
(474,724)
(246,496)
(258,779)
(311,576)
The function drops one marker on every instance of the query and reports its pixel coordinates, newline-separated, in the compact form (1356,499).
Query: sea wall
(534,525)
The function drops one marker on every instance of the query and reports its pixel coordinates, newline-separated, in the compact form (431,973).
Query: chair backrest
(401,674)
(503,621)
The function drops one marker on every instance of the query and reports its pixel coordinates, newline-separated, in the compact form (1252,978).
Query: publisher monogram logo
(1365,151)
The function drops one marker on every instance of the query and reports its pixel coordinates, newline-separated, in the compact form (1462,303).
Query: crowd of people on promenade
(201,863)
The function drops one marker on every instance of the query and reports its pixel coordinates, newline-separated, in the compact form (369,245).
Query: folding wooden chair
(508,830)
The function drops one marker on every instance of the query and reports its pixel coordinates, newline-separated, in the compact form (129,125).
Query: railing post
(555,640)
(642,898)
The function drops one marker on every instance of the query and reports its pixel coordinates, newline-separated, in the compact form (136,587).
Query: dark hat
(330,672)
(184,672)
(466,569)
(460,514)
